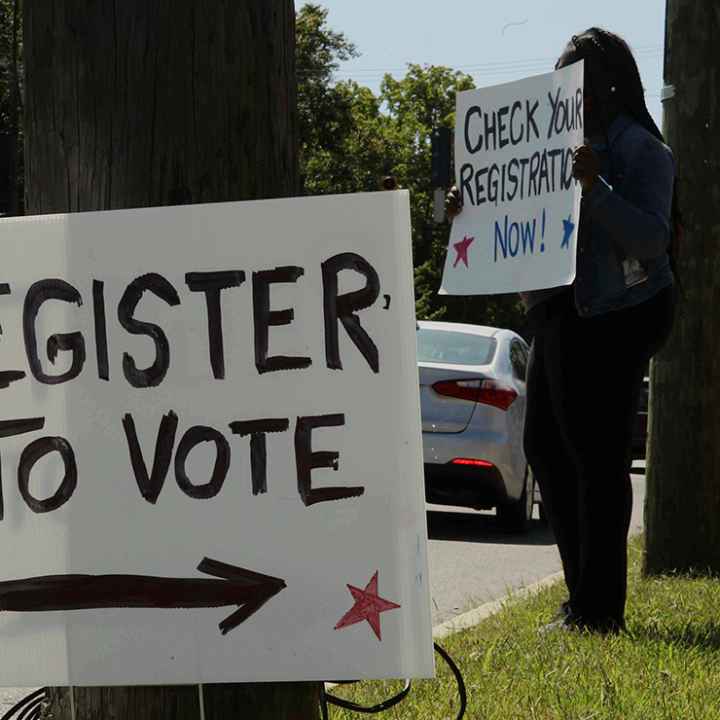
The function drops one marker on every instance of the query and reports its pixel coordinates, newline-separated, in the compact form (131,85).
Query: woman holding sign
(593,339)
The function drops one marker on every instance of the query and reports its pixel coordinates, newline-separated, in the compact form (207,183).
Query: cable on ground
(29,708)
(328,699)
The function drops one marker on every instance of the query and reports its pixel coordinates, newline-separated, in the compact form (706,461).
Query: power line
(643,53)
(521,61)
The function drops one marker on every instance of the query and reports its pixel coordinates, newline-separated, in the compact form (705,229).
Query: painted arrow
(235,586)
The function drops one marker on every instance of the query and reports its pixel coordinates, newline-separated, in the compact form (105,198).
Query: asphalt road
(472,561)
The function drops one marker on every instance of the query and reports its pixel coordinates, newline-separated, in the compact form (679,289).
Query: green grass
(669,668)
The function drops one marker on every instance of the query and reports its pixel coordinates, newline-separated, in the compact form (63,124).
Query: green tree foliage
(10,107)
(351,138)
(341,139)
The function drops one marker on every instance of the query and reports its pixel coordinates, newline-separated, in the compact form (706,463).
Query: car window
(454,348)
(518,360)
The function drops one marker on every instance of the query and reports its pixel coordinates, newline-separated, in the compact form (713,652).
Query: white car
(472,393)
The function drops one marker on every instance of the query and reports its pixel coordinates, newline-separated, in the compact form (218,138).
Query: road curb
(471,618)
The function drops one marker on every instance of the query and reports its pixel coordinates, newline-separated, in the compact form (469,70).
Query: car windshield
(454,348)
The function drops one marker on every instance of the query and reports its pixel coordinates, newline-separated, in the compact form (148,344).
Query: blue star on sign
(568,227)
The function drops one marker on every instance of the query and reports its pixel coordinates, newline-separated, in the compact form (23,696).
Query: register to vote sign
(210,445)
(513,166)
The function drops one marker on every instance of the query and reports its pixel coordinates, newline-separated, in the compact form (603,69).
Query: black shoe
(561,624)
(563,611)
(568,622)
(559,621)
(552,627)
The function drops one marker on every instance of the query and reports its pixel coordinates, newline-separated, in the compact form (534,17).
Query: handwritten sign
(210,456)
(521,205)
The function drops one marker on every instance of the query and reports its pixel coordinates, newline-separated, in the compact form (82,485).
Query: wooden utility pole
(10,165)
(138,103)
(682,513)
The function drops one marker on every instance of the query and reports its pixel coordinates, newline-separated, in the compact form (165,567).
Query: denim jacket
(625,228)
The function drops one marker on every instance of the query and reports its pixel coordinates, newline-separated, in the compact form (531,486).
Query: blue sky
(494,42)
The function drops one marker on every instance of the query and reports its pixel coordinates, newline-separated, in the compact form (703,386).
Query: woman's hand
(453,203)
(585,167)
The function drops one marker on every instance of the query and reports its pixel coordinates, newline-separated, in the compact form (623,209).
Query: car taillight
(472,462)
(461,389)
(487,392)
(495,394)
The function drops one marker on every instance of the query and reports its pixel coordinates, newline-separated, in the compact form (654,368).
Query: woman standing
(593,339)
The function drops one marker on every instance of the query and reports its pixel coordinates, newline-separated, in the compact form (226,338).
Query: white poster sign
(211,446)
(513,163)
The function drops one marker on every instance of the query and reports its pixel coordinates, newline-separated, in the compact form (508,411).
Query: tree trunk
(682,513)
(133,103)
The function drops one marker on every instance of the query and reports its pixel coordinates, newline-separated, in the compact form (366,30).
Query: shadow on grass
(704,636)
(483,528)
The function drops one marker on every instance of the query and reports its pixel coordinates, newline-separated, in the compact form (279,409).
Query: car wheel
(515,516)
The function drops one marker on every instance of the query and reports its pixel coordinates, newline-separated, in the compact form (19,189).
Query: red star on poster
(461,248)
(368,606)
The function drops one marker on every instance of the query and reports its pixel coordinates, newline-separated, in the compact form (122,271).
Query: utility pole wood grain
(136,103)
(682,513)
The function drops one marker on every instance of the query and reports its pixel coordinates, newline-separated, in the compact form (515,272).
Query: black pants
(584,381)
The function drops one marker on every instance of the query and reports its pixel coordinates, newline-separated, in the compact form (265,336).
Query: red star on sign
(461,248)
(368,606)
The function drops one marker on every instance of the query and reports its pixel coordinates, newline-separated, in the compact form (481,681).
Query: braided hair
(614,81)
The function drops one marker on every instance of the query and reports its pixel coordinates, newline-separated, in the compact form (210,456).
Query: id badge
(634,272)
